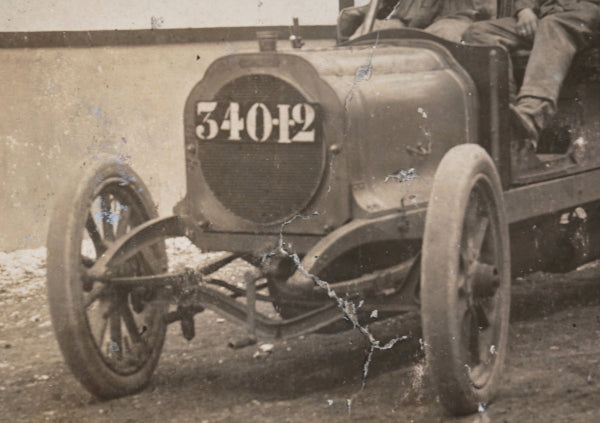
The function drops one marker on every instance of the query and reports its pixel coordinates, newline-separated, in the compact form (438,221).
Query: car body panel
(375,124)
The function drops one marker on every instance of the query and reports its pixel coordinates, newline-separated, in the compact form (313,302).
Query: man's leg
(450,28)
(558,38)
(455,18)
(498,32)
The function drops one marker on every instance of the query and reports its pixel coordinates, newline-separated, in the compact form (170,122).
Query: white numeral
(213,128)
(251,122)
(284,123)
(305,114)
(232,122)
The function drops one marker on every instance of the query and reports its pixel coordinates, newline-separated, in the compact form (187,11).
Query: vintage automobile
(377,174)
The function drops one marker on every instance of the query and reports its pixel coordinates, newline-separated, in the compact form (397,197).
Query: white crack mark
(391,14)
(422,149)
(363,73)
(403,175)
(348,307)
(331,172)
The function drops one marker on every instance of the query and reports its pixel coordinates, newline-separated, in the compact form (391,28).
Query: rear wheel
(465,280)
(111,337)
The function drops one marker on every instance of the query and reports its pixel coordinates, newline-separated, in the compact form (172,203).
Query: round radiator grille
(262,179)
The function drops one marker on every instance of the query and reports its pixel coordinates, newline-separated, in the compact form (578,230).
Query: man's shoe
(523,127)
(523,158)
(524,143)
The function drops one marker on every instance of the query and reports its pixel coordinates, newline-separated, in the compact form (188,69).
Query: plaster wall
(62,107)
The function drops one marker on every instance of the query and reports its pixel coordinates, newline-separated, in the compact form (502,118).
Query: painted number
(232,122)
(203,110)
(304,114)
(253,123)
(258,124)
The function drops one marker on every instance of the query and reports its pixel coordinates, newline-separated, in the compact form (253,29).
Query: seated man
(555,30)
(445,18)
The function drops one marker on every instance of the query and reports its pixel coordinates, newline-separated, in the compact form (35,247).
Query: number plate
(257,122)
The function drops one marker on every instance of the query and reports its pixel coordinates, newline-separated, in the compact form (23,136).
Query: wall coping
(140,37)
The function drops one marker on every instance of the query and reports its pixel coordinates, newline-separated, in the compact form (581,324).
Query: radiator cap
(267,40)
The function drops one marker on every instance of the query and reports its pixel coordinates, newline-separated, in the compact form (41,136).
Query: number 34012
(258,122)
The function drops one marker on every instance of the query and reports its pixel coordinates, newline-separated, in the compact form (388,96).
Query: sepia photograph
(300,211)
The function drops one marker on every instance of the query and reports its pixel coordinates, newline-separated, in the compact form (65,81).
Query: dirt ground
(552,372)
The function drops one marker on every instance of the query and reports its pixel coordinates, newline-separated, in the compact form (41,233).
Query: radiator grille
(263,182)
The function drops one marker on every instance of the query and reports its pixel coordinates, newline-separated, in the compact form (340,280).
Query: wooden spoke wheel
(111,336)
(465,280)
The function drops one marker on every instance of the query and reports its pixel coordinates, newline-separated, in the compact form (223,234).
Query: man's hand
(527,22)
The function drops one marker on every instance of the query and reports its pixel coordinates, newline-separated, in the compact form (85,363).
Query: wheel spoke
(103,331)
(473,337)
(472,215)
(98,321)
(92,230)
(475,324)
(482,319)
(469,342)
(474,319)
(476,224)
(107,218)
(94,294)
(124,220)
(464,291)
(116,344)
(130,324)
(479,235)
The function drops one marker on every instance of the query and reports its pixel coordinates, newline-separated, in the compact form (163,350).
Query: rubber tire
(65,287)
(455,177)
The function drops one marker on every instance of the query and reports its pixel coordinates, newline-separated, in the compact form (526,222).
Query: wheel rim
(124,324)
(479,305)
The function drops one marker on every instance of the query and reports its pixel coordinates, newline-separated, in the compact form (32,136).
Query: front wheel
(111,337)
(465,280)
